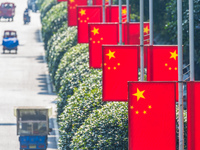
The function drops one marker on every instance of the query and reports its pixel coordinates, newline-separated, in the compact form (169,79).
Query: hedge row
(85,122)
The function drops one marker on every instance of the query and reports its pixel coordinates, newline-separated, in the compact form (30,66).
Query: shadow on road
(37,36)
(40,59)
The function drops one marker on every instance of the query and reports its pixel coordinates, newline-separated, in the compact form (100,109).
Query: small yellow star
(108,68)
(170,68)
(166,64)
(146,30)
(139,94)
(95,31)
(173,55)
(124,11)
(137,112)
(144,112)
(87,18)
(111,54)
(101,38)
(114,68)
(94,42)
(82,12)
(118,64)
(90,39)
(175,68)
(71,1)
(84,20)
(149,107)
(104,64)
(132,107)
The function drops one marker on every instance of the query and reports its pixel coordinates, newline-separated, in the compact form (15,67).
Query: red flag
(151,115)
(72,12)
(193,115)
(132,33)
(112,13)
(120,65)
(100,33)
(99,2)
(162,63)
(87,14)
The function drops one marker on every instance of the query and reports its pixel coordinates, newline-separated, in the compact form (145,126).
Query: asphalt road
(23,77)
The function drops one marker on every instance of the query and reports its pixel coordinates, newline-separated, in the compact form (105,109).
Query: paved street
(23,76)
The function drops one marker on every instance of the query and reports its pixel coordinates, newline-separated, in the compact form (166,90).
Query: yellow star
(132,107)
(175,68)
(82,12)
(95,31)
(104,64)
(144,112)
(111,54)
(71,1)
(124,11)
(114,68)
(146,30)
(149,107)
(139,94)
(173,55)
(137,112)
(166,64)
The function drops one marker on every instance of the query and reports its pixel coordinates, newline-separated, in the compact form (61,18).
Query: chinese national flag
(112,13)
(87,14)
(193,115)
(132,33)
(72,12)
(99,2)
(162,63)
(120,65)
(100,33)
(151,115)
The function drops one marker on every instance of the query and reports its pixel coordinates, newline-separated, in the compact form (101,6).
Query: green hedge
(46,5)
(86,98)
(59,47)
(54,19)
(105,128)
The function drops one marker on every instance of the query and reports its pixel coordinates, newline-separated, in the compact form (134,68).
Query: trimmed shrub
(46,6)
(86,98)
(76,71)
(54,19)
(59,47)
(105,128)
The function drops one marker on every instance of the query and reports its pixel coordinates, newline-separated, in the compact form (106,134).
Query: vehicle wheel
(3,51)
(16,52)
(12,19)
(9,51)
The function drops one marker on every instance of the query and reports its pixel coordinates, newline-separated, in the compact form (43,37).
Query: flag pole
(151,20)
(104,11)
(180,74)
(127,8)
(110,2)
(141,40)
(120,22)
(191,36)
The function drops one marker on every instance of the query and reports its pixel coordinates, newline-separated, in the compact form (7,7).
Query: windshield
(25,115)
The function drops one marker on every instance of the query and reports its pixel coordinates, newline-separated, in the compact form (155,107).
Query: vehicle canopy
(7,5)
(32,120)
(9,33)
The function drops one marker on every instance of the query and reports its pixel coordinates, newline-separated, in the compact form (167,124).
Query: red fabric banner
(120,65)
(87,14)
(100,33)
(162,63)
(132,33)
(62,0)
(99,2)
(152,115)
(193,115)
(72,12)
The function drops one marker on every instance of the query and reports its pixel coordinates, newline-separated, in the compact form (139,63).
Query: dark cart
(7,11)
(33,127)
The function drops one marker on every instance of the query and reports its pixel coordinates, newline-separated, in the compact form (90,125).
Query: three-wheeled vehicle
(10,41)
(33,127)
(27,18)
(7,11)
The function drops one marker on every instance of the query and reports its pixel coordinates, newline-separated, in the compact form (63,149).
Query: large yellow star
(82,12)
(146,30)
(71,1)
(95,31)
(139,94)
(111,54)
(124,11)
(173,55)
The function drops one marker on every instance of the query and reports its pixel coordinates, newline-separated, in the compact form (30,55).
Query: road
(23,77)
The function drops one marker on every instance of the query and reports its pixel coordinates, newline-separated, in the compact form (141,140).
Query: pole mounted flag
(100,33)
(120,65)
(87,14)
(151,125)
(72,12)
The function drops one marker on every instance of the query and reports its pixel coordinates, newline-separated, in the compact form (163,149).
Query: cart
(7,11)
(10,41)
(33,127)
